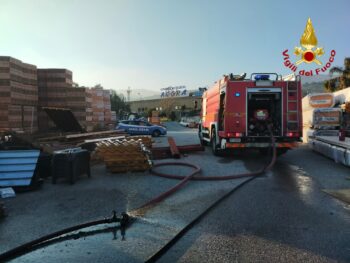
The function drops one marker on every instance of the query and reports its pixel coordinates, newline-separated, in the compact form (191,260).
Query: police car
(140,127)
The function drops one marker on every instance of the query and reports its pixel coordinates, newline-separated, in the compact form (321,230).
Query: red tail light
(292,134)
(234,134)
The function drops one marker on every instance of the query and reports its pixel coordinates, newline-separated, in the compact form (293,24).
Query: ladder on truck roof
(293,105)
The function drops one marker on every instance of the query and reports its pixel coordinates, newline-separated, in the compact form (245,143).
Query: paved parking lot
(281,217)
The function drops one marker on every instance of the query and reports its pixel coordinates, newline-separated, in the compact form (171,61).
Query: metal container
(70,164)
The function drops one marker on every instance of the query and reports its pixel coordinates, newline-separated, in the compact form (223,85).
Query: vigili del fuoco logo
(308,53)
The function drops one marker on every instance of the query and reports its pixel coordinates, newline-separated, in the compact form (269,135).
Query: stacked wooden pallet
(128,155)
(145,139)
(56,142)
(86,137)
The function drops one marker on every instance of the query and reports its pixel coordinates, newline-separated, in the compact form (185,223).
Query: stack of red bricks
(79,101)
(110,116)
(52,85)
(18,95)
(107,107)
(97,107)
(26,90)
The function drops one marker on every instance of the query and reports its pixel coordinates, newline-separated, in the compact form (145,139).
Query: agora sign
(308,53)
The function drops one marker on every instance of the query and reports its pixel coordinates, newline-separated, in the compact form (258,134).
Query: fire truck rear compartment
(264,109)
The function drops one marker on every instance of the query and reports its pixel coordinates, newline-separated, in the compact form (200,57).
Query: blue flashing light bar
(262,77)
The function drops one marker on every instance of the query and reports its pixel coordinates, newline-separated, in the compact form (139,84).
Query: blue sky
(153,44)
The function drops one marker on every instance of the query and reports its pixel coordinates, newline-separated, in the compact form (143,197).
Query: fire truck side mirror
(195,105)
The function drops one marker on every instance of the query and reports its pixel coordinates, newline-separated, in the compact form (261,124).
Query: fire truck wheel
(203,142)
(200,136)
(263,151)
(214,144)
(281,151)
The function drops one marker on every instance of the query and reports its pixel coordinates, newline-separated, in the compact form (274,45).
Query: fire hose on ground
(196,169)
(124,218)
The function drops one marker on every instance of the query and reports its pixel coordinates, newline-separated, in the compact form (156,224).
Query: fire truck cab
(237,113)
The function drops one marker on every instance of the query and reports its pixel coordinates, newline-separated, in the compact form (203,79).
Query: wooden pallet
(124,155)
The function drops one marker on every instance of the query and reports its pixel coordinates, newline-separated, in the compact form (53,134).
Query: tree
(340,82)
(162,114)
(333,70)
(118,104)
(331,85)
(172,115)
(98,86)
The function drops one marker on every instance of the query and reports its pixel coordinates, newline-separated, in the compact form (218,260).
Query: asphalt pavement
(281,217)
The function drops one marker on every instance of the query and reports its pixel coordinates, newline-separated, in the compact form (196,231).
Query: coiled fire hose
(194,175)
(124,219)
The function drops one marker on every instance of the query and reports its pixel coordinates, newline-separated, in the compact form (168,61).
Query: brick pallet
(18,95)
(52,86)
(107,107)
(97,107)
(25,90)
(79,100)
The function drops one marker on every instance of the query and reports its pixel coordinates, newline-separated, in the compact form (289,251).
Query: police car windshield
(144,123)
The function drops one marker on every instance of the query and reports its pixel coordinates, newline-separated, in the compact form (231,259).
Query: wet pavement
(283,217)
(157,225)
(325,171)
(280,217)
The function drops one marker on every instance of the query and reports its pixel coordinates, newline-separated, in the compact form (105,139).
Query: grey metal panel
(17,167)
(274,89)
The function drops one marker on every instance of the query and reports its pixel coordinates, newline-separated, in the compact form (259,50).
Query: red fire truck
(236,113)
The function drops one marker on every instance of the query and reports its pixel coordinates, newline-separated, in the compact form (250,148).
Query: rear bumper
(230,145)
